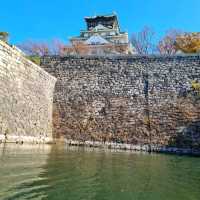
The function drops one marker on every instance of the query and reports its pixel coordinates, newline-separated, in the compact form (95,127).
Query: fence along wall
(26,97)
(138,100)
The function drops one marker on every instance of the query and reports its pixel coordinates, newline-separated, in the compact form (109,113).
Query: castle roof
(96,39)
(109,21)
(100,16)
(100,27)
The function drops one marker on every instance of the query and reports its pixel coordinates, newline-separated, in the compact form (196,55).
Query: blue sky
(48,19)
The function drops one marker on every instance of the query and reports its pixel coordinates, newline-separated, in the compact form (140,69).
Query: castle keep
(103,36)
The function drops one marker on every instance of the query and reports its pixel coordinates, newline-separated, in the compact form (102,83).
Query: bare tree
(167,45)
(143,41)
(56,47)
(34,48)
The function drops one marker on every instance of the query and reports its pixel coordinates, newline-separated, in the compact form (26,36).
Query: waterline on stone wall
(132,147)
(25,139)
(30,140)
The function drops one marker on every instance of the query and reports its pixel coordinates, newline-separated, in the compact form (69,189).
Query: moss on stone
(34,59)
(196,85)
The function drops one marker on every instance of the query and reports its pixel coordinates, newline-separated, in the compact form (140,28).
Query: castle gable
(95,40)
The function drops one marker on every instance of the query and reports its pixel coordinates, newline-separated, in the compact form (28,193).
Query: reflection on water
(61,173)
(20,166)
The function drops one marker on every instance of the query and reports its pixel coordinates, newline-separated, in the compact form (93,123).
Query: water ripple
(63,173)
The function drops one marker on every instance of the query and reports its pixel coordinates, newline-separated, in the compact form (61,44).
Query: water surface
(63,173)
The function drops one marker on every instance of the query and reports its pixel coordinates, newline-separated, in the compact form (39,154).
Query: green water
(45,172)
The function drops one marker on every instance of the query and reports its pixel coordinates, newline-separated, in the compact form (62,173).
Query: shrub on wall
(196,86)
(34,59)
(4,36)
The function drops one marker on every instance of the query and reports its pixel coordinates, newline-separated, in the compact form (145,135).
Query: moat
(61,173)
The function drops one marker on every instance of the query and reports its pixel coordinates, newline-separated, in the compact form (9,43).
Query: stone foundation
(126,99)
(26,97)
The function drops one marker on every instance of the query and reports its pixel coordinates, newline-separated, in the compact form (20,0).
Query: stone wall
(26,97)
(138,100)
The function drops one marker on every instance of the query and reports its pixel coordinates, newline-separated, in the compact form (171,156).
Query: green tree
(4,36)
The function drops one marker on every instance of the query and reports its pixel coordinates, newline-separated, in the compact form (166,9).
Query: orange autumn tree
(188,42)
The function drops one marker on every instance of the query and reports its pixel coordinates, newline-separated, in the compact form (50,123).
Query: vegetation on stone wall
(4,36)
(195,85)
(34,59)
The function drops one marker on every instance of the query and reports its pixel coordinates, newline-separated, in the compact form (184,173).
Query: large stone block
(138,100)
(26,97)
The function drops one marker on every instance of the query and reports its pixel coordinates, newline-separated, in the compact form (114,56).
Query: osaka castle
(102,36)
